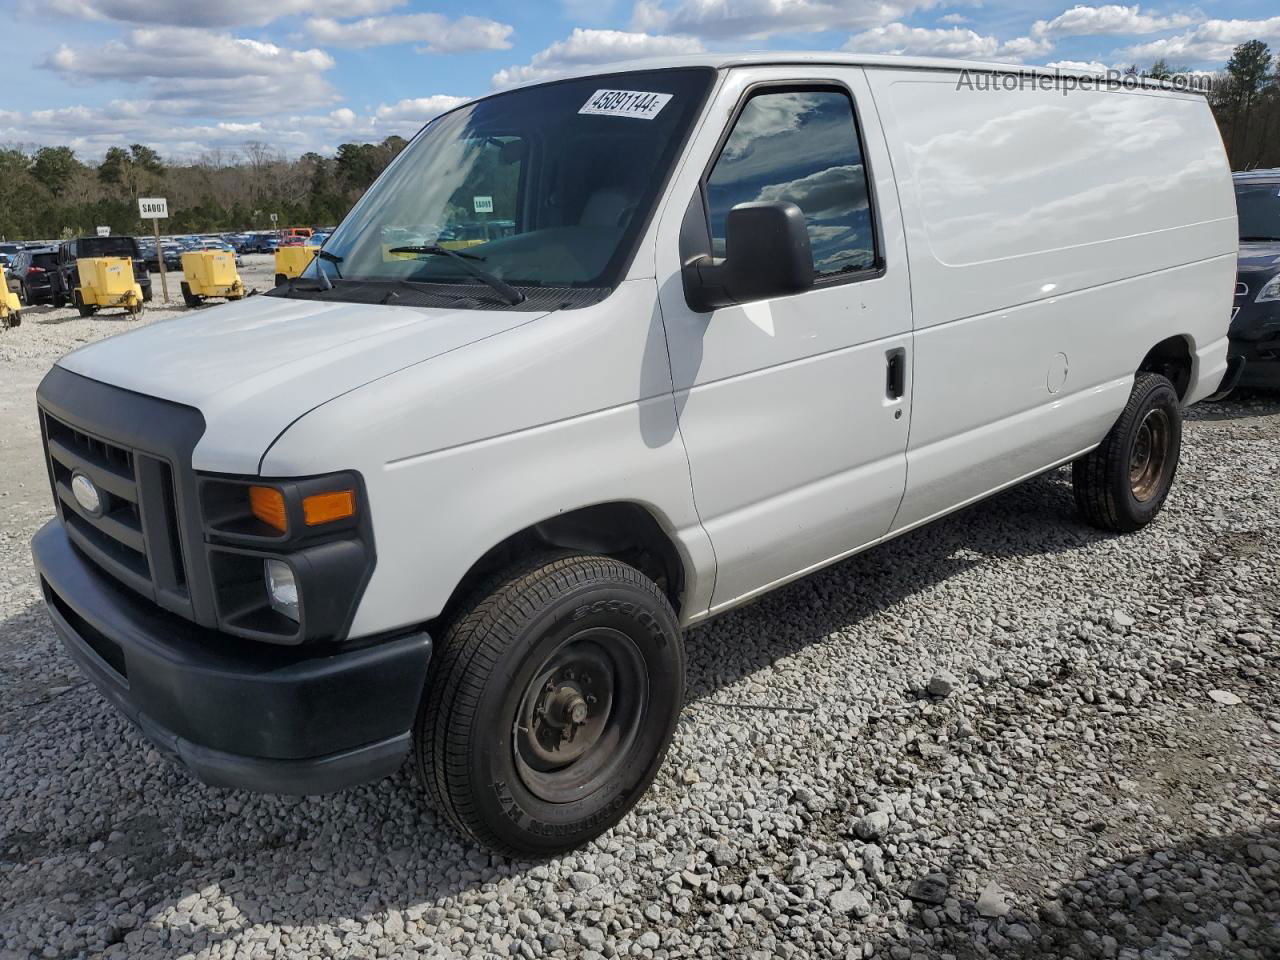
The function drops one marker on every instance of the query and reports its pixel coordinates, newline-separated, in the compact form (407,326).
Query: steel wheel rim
(580,715)
(1150,455)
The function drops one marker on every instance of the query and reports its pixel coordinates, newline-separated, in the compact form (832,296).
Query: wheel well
(624,531)
(1172,359)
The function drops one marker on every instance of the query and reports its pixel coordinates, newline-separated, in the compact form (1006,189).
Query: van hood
(253,367)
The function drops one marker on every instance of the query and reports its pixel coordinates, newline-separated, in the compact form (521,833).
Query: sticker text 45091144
(625,103)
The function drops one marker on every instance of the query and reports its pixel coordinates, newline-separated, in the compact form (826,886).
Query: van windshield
(1258,207)
(544,187)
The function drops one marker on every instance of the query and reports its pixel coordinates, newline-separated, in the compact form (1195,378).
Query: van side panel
(1053,241)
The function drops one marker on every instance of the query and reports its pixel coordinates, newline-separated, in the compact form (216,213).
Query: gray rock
(942,684)
(931,889)
(873,826)
(850,901)
(991,902)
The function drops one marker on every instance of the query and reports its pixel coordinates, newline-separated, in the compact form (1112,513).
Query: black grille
(134,535)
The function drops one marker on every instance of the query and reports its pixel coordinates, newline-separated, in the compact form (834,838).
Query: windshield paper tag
(625,103)
(482,204)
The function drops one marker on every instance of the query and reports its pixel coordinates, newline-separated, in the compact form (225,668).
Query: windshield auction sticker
(625,103)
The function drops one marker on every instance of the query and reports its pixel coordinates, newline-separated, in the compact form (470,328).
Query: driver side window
(800,146)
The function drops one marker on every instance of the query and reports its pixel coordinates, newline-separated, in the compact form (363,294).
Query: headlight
(282,588)
(1270,290)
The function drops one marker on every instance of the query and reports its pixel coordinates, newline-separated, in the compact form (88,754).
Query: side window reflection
(800,146)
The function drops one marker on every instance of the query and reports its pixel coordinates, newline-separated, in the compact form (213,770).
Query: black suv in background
(35,269)
(67,277)
(1255,319)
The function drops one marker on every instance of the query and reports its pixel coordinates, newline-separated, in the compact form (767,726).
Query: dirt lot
(1005,735)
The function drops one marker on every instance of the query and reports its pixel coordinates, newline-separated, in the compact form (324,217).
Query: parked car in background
(7,252)
(67,277)
(1255,320)
(34,269)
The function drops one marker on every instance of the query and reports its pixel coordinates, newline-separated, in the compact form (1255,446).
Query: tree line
(49,192)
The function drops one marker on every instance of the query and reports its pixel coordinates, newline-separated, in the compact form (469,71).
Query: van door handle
(895,379)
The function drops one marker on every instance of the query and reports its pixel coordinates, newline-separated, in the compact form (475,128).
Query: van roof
(722,61)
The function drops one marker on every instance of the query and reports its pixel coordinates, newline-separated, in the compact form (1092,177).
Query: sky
(191,77)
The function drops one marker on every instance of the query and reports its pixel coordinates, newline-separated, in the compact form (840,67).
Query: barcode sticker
(625,103)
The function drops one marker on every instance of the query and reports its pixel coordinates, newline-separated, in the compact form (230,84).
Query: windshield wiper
(333,258)
(504,289)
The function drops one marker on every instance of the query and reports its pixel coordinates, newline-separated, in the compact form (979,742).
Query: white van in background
(599,358)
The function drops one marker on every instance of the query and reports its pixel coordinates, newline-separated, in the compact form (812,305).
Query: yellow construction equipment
(106,282)
(291,260)
(210,273)
(10,305)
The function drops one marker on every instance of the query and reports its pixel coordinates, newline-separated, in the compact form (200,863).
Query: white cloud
(417,111)
(591,47)
(954,19)
(90,130)
(436,32)
(1084,66)
(757,19)
(921,41)
(1208,42)
(1085,21)
(183,52)
(1022,48)
(220,13)
(187,71)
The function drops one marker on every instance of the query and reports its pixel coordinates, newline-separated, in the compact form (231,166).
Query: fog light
(282,588)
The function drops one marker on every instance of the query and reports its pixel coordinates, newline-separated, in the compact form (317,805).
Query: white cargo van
(595,360)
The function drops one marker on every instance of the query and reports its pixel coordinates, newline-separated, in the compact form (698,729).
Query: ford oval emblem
(86,493)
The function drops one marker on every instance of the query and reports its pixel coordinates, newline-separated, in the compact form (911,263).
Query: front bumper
(237,713)
(1261,362)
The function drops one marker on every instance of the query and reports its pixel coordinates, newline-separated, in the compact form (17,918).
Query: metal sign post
(155,209)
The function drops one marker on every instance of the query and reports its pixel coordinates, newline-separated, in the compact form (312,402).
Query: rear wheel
(551,703)
(281,279)
(1123,484)
(81,307)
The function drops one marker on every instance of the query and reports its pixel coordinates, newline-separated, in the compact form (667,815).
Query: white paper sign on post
(153,208)
(103,231)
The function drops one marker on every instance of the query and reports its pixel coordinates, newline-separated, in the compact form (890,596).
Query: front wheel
(189,298)
(551,703)
(1123,484)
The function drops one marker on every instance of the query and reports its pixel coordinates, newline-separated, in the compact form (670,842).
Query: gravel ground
(1007,735)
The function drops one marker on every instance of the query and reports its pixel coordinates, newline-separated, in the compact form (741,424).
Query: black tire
(281,279)
(190,298)
(23,297)
(1122,485)
(81,307)
(537,640)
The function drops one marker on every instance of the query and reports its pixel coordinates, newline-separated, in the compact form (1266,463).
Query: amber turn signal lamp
(267,505)
(327,507)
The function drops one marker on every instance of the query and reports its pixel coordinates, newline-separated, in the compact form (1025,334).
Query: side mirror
(766,255)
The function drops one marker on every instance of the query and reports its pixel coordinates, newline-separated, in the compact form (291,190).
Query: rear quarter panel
(1053,240)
